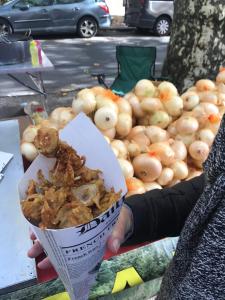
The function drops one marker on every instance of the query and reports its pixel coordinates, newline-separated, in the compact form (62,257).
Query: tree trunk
(197,43)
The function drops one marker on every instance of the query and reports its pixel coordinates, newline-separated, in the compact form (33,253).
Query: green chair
(134,63)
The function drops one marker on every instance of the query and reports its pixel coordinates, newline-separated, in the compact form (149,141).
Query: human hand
(121,230)
(36,250)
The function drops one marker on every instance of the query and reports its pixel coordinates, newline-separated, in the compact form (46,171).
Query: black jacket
(162,213)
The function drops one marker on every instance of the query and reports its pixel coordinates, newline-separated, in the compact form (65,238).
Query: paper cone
(76,252)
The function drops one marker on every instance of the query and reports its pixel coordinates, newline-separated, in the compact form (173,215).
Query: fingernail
(116,245)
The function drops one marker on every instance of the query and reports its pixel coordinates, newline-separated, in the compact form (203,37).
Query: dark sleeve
(162,213)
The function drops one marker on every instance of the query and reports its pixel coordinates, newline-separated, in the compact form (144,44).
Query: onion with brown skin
(147,167)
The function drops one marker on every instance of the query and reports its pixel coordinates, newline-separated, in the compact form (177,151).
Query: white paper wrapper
(77,252)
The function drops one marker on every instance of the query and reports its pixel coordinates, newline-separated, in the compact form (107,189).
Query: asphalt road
(75,60)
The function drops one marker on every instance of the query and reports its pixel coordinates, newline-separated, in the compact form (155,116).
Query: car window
(32,3)
(67,1)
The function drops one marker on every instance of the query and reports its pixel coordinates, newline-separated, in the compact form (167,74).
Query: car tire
(162,26)
(87,27)
(5,28)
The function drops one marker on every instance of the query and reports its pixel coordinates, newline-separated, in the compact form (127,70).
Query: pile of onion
(159,137)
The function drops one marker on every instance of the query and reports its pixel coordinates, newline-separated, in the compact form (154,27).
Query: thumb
(122,227)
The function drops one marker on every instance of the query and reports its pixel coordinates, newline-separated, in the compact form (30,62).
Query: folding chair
(134,63)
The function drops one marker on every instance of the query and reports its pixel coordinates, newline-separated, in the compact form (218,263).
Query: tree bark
(197,43)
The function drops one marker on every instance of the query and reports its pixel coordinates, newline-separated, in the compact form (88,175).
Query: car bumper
(105,22)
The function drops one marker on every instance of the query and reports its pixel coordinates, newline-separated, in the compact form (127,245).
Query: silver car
(149,14)
(54,16)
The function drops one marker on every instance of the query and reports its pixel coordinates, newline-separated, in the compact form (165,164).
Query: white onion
(135,130)
(187,125)
(105,118)
(28,150)
(29,134)
(206,135)
(163,151)
(102,101)
(190,100)
(160,118)
(142,140)
(165,177)
(144,88)
(146,167)
(77,107)
(115,151)
(126,167)
(205,85)
(110,133)
(134,186)
(179,148)
(135,104)
(180,169)
(149,186)
(174,106)
(65,116)
(172,129)
(124,106)
(150,105)
(187,139)
(166,90)
(156,134)
(120,146)
(133,149)
(209,97)
(124,124)
(199,150)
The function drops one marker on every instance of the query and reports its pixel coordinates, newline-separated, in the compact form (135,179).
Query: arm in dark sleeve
(162,213)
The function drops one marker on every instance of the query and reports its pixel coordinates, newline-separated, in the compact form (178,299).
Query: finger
(32,236)
(36,250)
(118,235)
(44,264)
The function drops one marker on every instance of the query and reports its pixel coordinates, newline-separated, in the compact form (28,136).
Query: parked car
(54,16)
(152,15)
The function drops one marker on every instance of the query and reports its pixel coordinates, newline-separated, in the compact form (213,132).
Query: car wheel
(162,26)
(5,28)
(87,27)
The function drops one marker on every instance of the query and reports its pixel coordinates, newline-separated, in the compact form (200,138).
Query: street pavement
(74,61)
